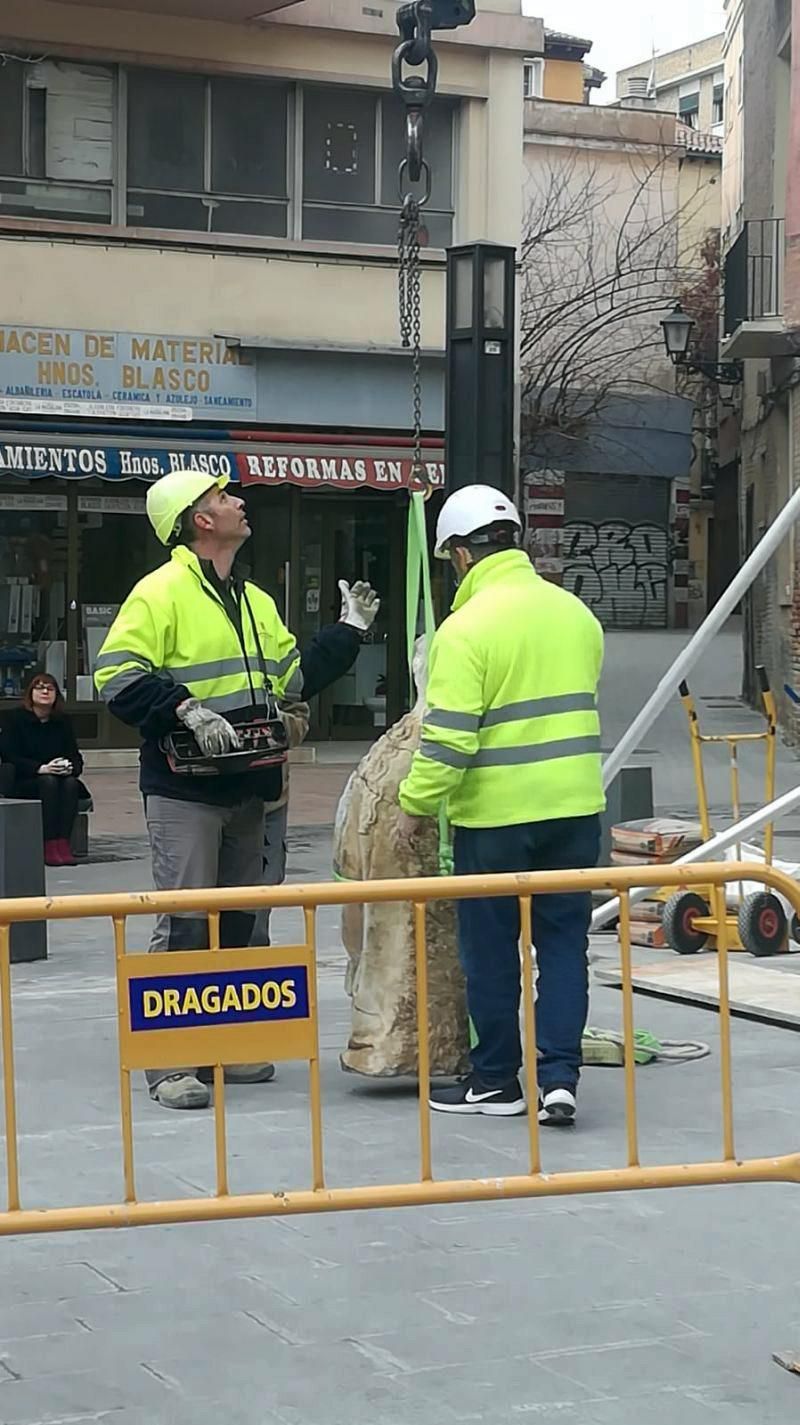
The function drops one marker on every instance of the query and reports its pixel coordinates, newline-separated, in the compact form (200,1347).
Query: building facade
(689,82)
(733,127)
(561,72)
(762,327)
(175,292)
(619,204)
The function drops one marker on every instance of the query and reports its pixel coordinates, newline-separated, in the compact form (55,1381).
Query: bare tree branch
(600,261)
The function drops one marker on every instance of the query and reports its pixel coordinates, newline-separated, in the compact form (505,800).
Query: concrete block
(629,798)
(22,872)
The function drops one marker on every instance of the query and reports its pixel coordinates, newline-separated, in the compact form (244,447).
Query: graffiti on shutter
(620,570)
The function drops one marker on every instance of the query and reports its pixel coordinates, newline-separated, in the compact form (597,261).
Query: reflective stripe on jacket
(512,733)
(174,625)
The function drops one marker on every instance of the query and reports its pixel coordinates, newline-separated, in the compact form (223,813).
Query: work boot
(65,852)
(181,1091)
(241,1074)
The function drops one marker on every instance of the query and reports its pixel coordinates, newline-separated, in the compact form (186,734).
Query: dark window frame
(384,204)
(206,194)
(689,109)
(718,104)
(300,217)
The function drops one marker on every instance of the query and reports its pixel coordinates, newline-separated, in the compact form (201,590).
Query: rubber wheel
(680,914)
(762,924)
(795,929)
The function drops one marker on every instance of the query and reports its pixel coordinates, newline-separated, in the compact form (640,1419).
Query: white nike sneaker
(557,1107)
(469,1095)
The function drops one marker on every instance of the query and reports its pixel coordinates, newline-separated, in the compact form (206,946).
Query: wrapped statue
(379,939)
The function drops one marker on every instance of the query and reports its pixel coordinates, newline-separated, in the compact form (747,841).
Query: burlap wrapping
(379,939)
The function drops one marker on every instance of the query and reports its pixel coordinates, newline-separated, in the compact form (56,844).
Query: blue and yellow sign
(238,997)
(216,1007)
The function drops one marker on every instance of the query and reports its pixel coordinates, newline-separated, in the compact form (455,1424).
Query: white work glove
(360,605)
(214,734)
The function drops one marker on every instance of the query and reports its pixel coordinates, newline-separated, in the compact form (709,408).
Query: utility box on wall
(479,401)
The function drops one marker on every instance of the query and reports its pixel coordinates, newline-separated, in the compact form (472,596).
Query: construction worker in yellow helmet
(195,646)
(511,745)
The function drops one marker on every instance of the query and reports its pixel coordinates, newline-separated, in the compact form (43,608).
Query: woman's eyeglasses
(43,688)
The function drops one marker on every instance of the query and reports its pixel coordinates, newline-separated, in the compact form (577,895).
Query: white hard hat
(471,509)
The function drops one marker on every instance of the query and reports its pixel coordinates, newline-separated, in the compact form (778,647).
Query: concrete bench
(22,872)
(79,841)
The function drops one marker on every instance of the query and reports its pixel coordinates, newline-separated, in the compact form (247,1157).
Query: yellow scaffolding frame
(297,1038)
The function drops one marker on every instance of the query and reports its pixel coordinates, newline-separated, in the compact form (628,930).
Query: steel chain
(416,93)
(410,294)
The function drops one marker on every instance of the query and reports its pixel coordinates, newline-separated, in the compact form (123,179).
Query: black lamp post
(677,328)
(479,403)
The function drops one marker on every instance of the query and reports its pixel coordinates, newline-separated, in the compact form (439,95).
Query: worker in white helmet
(195,646)
(511,745)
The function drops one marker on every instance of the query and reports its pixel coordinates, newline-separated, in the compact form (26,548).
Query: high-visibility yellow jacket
(512,733)
(173,638)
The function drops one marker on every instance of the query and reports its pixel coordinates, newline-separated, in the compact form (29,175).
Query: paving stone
(633,1370)
(608,1311)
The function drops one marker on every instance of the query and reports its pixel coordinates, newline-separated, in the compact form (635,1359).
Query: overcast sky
(624,31)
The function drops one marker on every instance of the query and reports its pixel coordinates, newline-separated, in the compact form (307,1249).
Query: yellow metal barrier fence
(245,1003)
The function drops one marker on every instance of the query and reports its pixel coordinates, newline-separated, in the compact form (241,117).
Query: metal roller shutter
(616,547)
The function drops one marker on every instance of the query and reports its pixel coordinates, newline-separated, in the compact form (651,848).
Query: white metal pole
(697,645)
(740,831)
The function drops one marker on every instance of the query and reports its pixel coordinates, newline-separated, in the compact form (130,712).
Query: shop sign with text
(125,373)
(36,459)
(348,472)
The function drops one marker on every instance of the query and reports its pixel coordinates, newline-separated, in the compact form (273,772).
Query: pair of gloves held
(214,734)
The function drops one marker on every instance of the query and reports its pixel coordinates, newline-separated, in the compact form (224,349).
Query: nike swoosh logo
(481,1097)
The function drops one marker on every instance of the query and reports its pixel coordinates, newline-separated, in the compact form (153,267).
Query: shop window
(33,571)
(56,140)
(353,144)
(207,155)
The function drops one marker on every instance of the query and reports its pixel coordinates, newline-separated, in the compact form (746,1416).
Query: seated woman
(39,743)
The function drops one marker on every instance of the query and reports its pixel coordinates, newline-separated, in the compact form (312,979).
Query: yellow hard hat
(172,494)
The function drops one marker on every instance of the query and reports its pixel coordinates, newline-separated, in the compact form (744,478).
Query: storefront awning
(310,461)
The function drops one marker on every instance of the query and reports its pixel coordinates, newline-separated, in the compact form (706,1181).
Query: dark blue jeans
(488,943)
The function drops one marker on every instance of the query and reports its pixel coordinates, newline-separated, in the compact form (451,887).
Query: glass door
(353,537)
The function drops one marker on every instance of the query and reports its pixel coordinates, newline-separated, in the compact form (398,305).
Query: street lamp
(677,328)
(479,416)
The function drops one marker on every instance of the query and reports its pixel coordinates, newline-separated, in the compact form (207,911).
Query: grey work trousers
(194,846)
(274,864)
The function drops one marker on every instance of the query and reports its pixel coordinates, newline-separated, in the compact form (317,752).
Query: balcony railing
(754,274)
